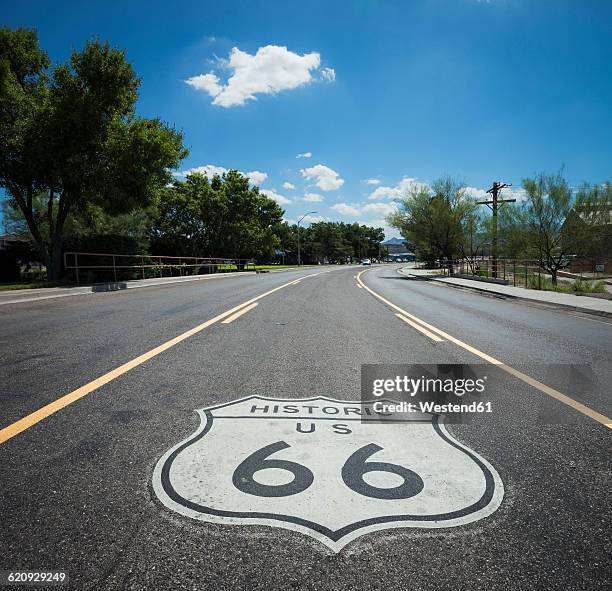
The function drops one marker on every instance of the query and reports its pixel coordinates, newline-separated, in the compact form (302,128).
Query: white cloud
(207,82)
(209,170)
(313,197)
(271,70)
(379,208)
(380,223)
(326,178)
(280,199)
(517,193)
(357,209)
(372,182)
(289,186)
(384,193)
(399,190)
(346,209)
(328,74)
(477,193)
(256,177)
(305,155)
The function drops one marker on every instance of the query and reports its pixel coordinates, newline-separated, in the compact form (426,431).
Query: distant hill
(395,246)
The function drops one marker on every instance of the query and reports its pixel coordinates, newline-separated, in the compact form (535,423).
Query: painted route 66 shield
(325,468)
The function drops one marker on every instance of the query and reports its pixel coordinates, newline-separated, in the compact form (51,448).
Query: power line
(495,192)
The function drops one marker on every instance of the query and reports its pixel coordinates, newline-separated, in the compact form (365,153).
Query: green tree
(559,224)
(221,217)
(433,219)
(70,132)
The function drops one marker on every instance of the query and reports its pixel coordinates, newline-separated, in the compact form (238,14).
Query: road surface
(83,489)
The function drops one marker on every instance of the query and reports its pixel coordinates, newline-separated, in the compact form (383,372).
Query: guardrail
(96,267)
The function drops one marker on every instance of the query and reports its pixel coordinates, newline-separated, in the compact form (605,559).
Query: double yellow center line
(42,413)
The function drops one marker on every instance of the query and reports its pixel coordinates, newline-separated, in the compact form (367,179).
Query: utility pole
(495,191)
(298,233)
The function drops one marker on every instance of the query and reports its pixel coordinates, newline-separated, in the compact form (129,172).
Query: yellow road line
(42,413)
(431,335)
(563,398)
(239,313)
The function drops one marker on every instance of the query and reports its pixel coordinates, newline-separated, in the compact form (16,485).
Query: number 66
(353,471)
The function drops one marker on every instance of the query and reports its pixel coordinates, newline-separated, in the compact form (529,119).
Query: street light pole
(298,233)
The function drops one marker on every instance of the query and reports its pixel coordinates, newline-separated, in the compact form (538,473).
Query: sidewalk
(34,295)
(585,304)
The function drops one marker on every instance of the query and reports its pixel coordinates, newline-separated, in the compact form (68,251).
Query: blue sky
(391,91)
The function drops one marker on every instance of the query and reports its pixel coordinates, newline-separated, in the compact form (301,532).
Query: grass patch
(24,285)
(577,286)
(589,286)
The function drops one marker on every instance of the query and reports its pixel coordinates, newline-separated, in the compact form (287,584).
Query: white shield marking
(313,466)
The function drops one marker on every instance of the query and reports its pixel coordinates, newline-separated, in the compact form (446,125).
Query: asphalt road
(78,488)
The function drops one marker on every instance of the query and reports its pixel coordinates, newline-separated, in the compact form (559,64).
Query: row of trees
(219,217)
(83,172)
(225,217)
(334,242)
(443,222)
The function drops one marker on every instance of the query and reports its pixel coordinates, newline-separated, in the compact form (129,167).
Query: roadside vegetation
(550,226)
(81,171)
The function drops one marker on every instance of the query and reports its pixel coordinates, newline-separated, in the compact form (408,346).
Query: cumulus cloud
(357,209)
(346,209)
(372,182)
(289,186)
(305,155)
(379,208)
(209,170)
(271,70)
(517,193)
(405,185)
(325,178)
(328,74)
(313,197)
(280,199)
(476,193)
(256,177)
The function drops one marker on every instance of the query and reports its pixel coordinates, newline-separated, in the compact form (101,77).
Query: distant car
(366,262)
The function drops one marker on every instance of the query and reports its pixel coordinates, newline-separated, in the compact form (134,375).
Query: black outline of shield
(333,535)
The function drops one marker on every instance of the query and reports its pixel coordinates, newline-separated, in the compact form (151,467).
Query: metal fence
(89,267)
(517,272)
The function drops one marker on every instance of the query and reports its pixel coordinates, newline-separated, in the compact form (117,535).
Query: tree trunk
(553,276)
(55,264)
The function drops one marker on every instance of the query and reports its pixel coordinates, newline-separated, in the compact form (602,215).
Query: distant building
(402,257)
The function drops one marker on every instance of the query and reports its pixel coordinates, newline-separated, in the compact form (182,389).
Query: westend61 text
(431,407)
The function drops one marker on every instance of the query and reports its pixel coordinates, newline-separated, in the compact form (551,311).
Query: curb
(514,297)
(122,286)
